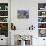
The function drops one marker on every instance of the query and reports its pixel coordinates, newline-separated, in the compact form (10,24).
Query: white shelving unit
(42,18)
(4,21)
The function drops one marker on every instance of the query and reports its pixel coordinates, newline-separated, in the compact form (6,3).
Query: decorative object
(41,19)
(43,13)
(31,27)
(3,6)
(27,39)
(13,27)
(41,6)
(23,40)
(23,14)
(0,7)
(3,13)
(6,7)
(42,25)
(44,41)
(3,19)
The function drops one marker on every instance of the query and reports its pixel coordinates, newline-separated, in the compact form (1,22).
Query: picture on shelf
(3,13)
(6,7)
(41,6)
(41,19)
(3,26)
(3,19)
(4,29)
(42,33)
(41,25)
(3,6)
(41,13)
(23,14)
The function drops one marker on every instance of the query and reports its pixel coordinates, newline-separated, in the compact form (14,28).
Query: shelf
(3,10)
(41,22)
(41,28)
(3,22)
(41,10)
(3,16)
(42,16)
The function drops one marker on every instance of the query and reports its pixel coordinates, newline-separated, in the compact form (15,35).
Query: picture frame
(21,14)
(42,33)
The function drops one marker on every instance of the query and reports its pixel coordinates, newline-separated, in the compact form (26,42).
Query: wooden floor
(3,45)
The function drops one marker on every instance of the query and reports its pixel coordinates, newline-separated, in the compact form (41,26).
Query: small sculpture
(13,27)
(31,27)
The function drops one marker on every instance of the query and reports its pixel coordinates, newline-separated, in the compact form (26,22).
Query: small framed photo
(42,32)
(23,14)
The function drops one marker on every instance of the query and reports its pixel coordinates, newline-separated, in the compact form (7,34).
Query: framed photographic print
(3,19)
(23,14)
(42,32)
(4,29)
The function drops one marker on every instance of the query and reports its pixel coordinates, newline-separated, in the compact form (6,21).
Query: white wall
(23,24)
(32,6)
